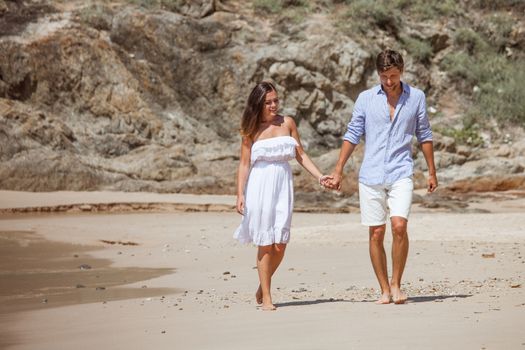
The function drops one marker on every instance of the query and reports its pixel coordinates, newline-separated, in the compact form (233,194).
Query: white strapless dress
(268,195)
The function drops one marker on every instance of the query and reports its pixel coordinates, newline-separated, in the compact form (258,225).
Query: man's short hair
(387,59)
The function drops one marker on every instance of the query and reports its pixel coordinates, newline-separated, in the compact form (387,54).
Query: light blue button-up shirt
(388,144)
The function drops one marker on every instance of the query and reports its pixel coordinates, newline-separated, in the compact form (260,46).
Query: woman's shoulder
(289,121)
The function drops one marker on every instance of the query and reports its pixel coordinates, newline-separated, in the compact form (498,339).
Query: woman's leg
(276,257)
(264,268)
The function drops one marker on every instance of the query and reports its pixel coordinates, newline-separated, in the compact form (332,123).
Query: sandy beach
(176,279)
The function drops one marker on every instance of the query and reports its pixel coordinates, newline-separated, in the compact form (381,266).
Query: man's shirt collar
(379,89)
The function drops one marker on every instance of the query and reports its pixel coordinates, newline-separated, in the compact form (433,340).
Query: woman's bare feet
(267,304)
(398,296)
(385,299)
(270,307)
(258,296)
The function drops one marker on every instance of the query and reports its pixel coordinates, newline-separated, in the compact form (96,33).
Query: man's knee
(399,228)
(377,234)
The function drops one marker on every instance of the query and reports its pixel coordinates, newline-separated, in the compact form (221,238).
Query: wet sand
(36,273)
(464,278)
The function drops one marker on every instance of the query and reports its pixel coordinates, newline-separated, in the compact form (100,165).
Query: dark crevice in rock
(23,90)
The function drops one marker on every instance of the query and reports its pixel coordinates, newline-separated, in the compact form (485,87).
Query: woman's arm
(300,154)
(242,172)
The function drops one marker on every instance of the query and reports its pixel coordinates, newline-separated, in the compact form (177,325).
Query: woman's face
(271,106)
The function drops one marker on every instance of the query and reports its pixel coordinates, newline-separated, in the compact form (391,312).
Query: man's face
(391,79)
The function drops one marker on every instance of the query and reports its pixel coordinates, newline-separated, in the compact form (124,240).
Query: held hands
(324,180)
(332,181)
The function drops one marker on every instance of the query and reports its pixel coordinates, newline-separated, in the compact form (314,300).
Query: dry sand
(177,280)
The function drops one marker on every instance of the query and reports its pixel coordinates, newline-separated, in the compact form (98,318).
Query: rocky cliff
(147,96)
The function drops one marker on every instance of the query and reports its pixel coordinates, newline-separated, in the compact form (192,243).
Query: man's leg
(372,201)
(399,257)
(378,258)
(399,201)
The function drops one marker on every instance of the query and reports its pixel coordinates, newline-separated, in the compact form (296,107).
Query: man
(388,116)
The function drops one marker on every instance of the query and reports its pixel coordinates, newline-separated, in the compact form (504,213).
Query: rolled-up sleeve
(423,130)
(356,126)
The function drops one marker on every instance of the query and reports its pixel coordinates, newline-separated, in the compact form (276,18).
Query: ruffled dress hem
(277,235)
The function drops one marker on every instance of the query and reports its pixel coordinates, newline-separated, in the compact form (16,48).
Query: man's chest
(382,114)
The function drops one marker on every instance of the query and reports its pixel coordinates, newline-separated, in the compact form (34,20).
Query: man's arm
(346,151)
(424,137)
(428,152)
(355,130)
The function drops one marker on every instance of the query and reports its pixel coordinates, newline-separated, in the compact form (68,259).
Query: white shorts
(374,200)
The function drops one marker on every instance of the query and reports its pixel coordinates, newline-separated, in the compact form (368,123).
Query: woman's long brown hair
(253,112)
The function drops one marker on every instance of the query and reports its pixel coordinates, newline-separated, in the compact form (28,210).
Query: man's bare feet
(398,296)
(385,299)
(258,296)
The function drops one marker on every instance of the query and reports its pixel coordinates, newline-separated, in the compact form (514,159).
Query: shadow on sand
(418,299)
(313,302)
(424,299)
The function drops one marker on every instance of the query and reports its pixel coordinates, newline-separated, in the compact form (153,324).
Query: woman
(264,182)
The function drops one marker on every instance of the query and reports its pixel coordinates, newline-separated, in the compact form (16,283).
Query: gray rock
(122,97)
(444,143)
(464,150)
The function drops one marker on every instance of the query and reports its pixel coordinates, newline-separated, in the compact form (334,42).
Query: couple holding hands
(387,116)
